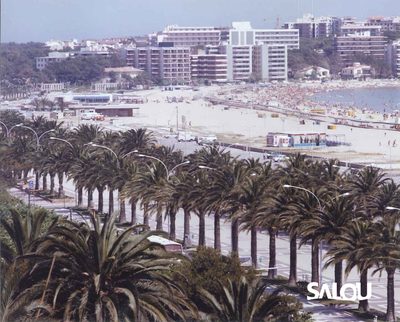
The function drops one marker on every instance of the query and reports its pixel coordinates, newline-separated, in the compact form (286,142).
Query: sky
(42,20)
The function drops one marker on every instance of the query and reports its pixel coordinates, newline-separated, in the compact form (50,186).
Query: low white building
(42,62)
(52,87)
(315,71)
(357,71)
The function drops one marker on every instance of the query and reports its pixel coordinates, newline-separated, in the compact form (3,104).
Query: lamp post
(166,169)
(209,168)
(5,127)
(168,174)
(320,243)
(177,124)
(9,131)
(392,208)
(57,139)
(107,148)
(320,208)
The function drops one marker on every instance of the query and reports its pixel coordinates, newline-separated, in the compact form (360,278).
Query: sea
(381,99)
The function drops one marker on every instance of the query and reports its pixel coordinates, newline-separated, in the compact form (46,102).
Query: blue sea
(379,99)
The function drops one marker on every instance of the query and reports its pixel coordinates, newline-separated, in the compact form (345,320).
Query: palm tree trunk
(315,262)
(100,207)
(235,235)
(89,198)
(146,215)
(202,229)
(217,231)
(80,197)
(159,221)
(390,313)
(133,211)
(253,249)
(172,229)
(110,201)
(61,185)
(338,276)
(363,305)
(52,176)
(37,180)
(44,182)
(272,252)
(122,212)
(186,228)
(293,260)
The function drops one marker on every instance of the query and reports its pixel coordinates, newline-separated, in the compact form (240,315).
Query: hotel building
(349,45)
(169,63)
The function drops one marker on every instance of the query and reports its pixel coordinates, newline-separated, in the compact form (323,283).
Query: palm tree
(253,191)
(136,139)
(99,275)
(354,246)
(62,104)
(22,233)
(328,226)
(244,302)
(385,254)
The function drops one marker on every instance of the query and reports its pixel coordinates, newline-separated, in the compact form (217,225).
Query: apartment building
(393,56)
(169,63)
(193,36)
(349,45)
(243,34)
(270,62)
(386,24)
(314,27)
(42,62)
(211,67)
(346,30)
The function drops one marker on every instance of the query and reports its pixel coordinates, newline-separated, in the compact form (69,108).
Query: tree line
(352,213)
(19,67)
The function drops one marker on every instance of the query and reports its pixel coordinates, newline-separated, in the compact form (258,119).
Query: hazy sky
(41,20)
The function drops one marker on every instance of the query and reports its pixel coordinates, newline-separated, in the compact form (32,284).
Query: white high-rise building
(243,34)
(270,62)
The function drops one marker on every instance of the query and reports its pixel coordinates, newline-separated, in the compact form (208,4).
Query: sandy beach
(244,126)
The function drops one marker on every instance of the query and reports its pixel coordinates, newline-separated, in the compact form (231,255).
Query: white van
(89,115)
(185,136)
(209,139)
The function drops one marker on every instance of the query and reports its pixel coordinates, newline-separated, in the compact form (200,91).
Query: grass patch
(48,195)
(368,316)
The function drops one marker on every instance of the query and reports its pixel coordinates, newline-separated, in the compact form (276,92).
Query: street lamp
(320,208)
(107,148)
(208,168)
(53,138)
(166,169)
(320,243)
(125,155)
(392,208)
(17,125)
(5,127)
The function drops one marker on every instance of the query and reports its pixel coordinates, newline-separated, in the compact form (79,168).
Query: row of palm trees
(354,214)
(91,272)
(45,104)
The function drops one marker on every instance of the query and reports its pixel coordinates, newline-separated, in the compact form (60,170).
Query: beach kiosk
(297,139)
(278,140)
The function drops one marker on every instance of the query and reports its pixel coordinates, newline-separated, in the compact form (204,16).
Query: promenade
(321,312)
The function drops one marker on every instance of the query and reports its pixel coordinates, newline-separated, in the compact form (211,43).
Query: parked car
(209,139)
(185,137)
(279,158)
(170,136)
